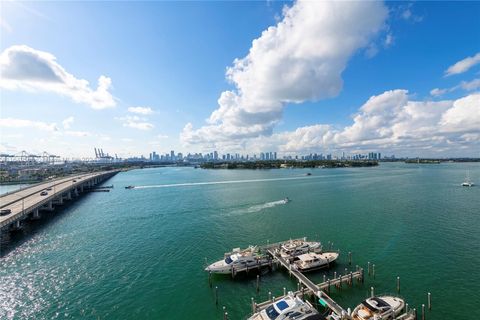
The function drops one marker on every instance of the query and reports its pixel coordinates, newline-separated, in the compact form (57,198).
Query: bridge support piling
(36,214)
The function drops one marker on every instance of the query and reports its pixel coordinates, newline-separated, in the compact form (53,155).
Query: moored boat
(382,307)
(290,307)
(293,248)
(313,261)
(238,259)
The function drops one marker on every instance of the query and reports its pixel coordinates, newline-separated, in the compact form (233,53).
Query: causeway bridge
(28,202)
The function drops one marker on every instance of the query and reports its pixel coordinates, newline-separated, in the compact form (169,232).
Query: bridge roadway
(28,200)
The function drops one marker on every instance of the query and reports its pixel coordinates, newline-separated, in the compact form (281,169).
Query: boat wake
(260,207)
(208,183)
(263,206)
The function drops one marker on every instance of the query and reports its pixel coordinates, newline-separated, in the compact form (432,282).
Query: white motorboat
(383,307)
(467,182)
(313,261)
(293,248)
(286,200)
(238,259)
(290,307)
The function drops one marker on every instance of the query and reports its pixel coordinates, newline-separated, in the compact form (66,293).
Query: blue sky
(170,59)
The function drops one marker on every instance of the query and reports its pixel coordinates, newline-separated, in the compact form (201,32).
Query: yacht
(383,307)
(467,182)
(290,307)
(313,261)
(293,248)
(238,259)
(129,187)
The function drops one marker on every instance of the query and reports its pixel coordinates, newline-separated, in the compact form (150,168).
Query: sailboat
(467,182)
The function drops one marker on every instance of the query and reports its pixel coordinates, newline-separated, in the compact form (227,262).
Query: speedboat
(297,247)
(467,182)
(238,259)
(286,200)
(129,187)
(308,174)
(383,307)
(290,307)
(313,261)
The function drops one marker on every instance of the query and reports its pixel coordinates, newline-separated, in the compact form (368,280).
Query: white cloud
(22,123)
(136,122)
(25,68)
(162,136)
(465,85)
(391,121)
(470,85)
(77,133)
(141,110)
(438,92)
(67,122)
(463,65)
(300,59)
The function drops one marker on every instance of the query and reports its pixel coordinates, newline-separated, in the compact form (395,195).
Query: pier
(30,201)
(319,291)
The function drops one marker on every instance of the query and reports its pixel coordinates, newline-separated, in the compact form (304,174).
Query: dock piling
(398,284)
(269,295)
(258,283)
(423,312)
(210,278)
(429,301)
(373,271)
(216,295)
(284,291)
(253,305)
(372,292)
(349,258)
(368,265)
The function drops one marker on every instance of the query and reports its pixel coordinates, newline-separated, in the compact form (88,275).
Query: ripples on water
(139,254)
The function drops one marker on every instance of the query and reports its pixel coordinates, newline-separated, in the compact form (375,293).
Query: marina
(307,289)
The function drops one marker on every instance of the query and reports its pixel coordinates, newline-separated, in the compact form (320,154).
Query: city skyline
(274,76)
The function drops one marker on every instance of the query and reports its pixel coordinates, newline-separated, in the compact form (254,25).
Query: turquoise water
(139,254)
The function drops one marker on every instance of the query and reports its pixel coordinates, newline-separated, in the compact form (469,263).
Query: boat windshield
(272,313)
(375,304)
(282,305)
(228,260)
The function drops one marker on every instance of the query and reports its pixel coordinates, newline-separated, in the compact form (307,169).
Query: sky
(297,77)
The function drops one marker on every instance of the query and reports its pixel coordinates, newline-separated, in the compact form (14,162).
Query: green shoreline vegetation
(284,164)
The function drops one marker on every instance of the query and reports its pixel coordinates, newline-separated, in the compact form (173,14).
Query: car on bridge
(4,212)
(43,193)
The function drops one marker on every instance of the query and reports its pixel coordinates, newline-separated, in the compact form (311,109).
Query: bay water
(140,253)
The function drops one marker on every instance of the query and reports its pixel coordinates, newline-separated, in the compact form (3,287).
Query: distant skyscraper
(215,155)
(275,155)
(172,155)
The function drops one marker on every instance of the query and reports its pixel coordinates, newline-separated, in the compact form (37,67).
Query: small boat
(383,307)
(237,259)
(314,261)
(290,307)
(129,187)
(308,174)
(294,248)
(467,182)
(286,200)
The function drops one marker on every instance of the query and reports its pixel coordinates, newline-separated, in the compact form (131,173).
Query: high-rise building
(172,155)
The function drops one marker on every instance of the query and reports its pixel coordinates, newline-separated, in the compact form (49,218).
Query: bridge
(28,202)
